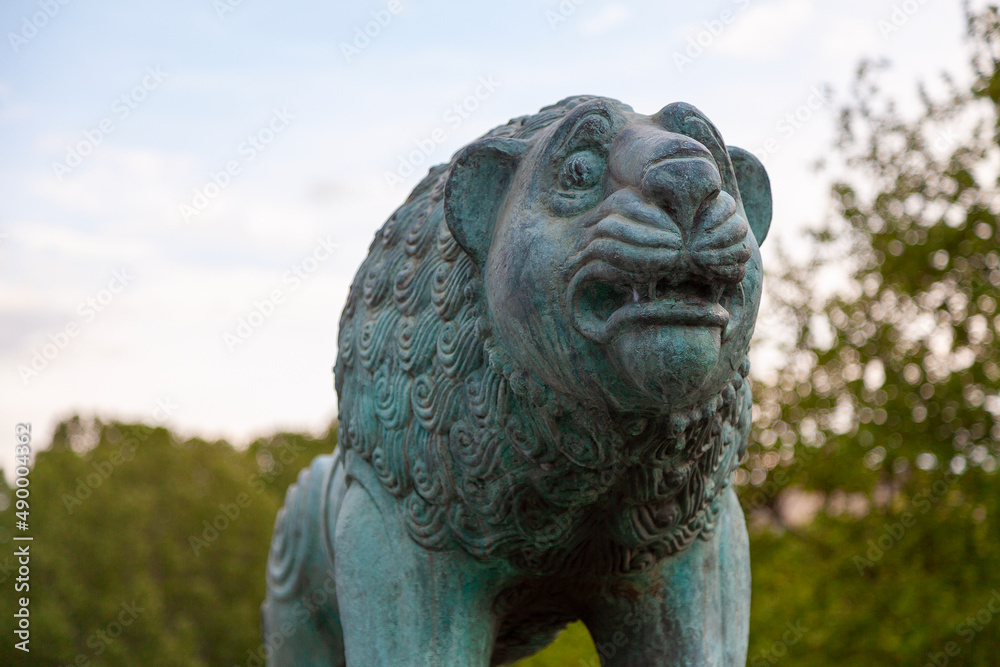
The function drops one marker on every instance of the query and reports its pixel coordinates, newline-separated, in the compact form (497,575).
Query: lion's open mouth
(604,300)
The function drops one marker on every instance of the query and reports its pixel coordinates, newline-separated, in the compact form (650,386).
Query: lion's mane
(479,453)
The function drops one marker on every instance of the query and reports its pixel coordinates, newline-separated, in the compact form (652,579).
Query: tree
(884,421)
(870,484)
(148,549)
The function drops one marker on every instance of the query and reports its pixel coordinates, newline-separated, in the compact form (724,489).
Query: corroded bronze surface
(542,389)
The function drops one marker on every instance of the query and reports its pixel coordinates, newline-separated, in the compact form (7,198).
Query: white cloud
(117,184)
(607,18)
(163,338)
(14,112)
(42,237)
(764,31)
(849,38)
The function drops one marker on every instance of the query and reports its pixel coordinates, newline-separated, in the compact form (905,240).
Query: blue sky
(174,175)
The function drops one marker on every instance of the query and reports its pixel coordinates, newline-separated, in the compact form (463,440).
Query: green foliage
(573,648)
(885,420)
(148,550)
(883,425)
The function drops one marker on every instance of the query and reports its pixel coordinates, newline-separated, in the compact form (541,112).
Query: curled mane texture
(479,453)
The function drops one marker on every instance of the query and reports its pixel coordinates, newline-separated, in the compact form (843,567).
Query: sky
(188,187)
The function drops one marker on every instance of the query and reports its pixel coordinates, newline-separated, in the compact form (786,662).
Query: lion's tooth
(635,295)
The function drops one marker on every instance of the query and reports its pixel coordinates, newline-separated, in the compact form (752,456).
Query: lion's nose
(681,186)
(670,170)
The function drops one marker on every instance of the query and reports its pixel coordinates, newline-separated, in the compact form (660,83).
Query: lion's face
(549,335)
(620,262)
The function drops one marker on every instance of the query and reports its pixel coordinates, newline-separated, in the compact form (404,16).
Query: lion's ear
(755,190)
(475,191)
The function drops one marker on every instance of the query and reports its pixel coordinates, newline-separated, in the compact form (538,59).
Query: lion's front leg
(401,605)
(694,610)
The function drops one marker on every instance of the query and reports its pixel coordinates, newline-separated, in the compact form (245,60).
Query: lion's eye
(582,170)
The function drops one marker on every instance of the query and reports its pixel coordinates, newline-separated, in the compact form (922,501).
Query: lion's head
(551,335)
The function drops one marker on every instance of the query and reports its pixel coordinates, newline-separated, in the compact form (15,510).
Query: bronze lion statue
(542,394)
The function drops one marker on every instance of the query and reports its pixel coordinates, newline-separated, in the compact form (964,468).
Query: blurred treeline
(176,530)
(870,484)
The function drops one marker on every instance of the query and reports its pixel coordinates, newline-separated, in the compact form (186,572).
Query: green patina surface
(541,382)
